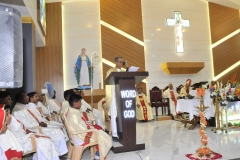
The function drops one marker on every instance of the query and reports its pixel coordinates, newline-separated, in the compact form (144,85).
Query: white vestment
(44,109)
(167,94)
(9,141)
(46,145)
(2,155)
(33,108)
(18,107)
(54,105)
(65,106)
(111,102)
(77,123)
(54,132)
(96,113)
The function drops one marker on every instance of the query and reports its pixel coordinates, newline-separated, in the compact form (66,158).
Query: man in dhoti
(8,142)
(172,95)
(185,89)
(92,112)
(143,109)
(79,121)
(111,98)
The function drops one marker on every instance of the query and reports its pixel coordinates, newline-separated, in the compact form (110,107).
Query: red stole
(173,98)
(40,111)
(22,125)
(10,154)
(89,134)
(33,115)
(187,90)
(144,107)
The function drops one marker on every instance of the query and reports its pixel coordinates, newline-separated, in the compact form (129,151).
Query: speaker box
(11,48)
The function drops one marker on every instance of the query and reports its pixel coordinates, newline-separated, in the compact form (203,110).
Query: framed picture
(41,15)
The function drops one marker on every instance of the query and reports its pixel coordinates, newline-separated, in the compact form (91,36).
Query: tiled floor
(169,140)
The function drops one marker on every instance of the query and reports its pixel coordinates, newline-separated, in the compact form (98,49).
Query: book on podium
(125,92)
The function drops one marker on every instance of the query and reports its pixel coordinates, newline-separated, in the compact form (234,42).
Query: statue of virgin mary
(82,69)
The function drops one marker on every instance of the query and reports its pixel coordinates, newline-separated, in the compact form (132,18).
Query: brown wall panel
(125,15)
(114,44)
(49,59)
(228,76)
(223,21)
(226,54)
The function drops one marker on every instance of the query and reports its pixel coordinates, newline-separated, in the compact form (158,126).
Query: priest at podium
(111,98)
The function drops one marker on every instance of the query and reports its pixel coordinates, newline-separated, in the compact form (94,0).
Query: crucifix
(178,23)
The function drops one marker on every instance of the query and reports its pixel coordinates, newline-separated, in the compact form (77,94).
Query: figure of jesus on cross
(177,22)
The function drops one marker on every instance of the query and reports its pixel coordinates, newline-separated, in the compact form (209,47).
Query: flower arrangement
(225,93)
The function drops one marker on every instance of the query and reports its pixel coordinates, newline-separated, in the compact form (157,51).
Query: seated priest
(111,98)
(8,142)
(21,101)
(31,121)
(78,121)
(65,103)
(46,149)
(41,104)
(185,89)
(143,109)
(54,106)
(172,95)
(92,112)
(37,112)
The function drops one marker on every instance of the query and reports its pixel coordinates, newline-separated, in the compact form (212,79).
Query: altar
(190,105)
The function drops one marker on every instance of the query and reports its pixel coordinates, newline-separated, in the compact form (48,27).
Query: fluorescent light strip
(110,63)
(122,33)
(225,38)
(63,50)
(226,71)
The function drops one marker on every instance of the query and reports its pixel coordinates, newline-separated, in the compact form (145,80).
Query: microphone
(126,66)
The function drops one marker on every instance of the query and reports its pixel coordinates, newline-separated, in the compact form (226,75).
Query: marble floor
(169,140)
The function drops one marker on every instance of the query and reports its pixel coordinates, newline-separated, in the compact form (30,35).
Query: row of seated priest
(33,126)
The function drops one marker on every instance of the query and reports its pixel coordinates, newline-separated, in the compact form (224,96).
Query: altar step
(163,118)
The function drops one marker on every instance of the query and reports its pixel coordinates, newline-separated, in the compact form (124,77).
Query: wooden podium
(126,108)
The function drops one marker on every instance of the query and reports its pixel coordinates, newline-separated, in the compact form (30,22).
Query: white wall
(81,29)
(160,44)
